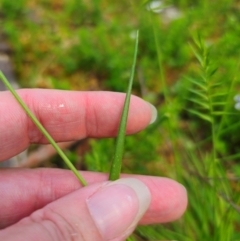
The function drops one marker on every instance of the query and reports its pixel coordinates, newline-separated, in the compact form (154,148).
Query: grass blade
(117,159)
(42,129)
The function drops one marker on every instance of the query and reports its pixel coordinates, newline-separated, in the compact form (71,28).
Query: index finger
(67,115)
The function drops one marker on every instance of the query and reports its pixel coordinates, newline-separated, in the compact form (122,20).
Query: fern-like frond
(207,95)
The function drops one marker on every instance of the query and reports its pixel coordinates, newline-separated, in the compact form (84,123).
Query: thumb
(118,207)
(102,211)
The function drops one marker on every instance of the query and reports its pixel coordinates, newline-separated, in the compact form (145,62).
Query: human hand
(50,204)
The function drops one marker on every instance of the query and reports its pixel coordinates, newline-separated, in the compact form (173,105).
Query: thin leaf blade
(117,159)
(201,115)
(42,129)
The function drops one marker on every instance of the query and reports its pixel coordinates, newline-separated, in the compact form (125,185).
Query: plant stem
(42,129)
(118,154)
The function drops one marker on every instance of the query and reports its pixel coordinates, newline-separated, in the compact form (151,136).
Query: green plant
(91,38)
(116,164)
(12,9)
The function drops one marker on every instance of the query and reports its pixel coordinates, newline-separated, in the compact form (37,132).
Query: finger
(66,115)
(33,189)
(101,211)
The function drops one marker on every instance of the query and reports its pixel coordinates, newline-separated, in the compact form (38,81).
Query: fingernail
(154,113)
(117,207)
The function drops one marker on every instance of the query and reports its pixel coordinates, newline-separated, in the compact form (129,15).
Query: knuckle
(56,226)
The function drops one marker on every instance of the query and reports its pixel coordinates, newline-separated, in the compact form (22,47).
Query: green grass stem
(42,129)
(118,154)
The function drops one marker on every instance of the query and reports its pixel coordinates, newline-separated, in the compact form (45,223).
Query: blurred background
(188,67)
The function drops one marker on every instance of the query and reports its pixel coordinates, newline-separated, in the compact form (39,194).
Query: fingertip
(169,201)
(180,204)
(153,113)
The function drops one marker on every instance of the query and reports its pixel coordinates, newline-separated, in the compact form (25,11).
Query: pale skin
(50,204)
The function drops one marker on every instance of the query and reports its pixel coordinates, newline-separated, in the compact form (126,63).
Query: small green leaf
(199,93)
(219,113)
(203,104)
(219,94)
(197,55)
(201,115)
(199,83)
(217,84)
(213,71)
(219,104)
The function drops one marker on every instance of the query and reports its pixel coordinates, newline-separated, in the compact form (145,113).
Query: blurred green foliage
(88,45)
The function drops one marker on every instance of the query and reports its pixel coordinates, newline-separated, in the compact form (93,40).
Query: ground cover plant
(188,67)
